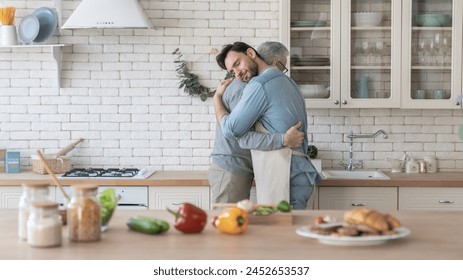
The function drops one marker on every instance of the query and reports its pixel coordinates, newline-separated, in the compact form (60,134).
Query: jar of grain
(44,225)
(83,214)
(30,193)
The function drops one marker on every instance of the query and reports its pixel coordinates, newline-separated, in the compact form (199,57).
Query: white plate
(48,23)
(351,240)
(28,29)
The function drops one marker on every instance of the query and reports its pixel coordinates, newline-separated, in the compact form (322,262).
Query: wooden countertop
(434,235)
(444,179)
(200,178)
(159,178)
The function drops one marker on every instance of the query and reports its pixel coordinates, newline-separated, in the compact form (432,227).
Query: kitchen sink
(355,175)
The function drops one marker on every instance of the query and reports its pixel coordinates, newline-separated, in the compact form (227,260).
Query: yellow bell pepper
(232,221)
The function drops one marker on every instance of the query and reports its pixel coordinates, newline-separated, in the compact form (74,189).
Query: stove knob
(119,197)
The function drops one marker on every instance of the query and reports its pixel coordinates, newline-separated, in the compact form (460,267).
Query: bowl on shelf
(433,20)
(314,91)
(367,18)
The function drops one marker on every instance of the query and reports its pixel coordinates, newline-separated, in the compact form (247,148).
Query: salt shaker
(431,164)
(44,225)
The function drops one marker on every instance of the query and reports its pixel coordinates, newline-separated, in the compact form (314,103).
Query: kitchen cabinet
(409,60)
(9,196)
(438,198)
(363,66)
(344,198)
(161,198)
(431,52)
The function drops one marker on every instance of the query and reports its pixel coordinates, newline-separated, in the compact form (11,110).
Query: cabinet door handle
(358,204)
(336,102)
(344,102)
(446,201)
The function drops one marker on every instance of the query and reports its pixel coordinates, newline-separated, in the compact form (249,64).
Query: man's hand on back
(293,137)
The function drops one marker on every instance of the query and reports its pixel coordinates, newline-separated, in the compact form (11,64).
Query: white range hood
(108,14)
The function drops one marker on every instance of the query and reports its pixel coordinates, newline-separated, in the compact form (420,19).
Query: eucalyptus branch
(189,81)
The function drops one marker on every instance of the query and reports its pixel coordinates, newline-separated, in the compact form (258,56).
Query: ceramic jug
(363,87)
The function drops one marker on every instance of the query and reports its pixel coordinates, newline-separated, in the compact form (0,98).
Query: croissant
(367,217)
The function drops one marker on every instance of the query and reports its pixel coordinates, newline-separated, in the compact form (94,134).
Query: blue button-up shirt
(275,100)
(232,154)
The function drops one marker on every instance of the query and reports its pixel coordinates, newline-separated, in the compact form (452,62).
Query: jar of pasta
(30,193)
(44,225)
(84,214)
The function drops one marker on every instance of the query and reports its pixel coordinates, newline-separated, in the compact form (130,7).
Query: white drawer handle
(358,204)
(446,201)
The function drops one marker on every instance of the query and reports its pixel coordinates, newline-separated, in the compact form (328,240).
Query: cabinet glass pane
(310,47)
(431,44)
(371,49)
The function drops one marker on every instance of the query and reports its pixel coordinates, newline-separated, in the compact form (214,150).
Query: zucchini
(147,225)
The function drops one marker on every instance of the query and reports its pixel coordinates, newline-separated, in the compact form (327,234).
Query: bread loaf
(368,217)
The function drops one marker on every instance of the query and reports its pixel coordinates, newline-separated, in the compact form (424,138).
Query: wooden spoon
(52,175)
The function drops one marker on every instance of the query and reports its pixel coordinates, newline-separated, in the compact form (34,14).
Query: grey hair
(271,51)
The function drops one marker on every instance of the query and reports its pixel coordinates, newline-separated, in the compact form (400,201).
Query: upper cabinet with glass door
(311,31)
(432,56)
(344,54)
(370,57)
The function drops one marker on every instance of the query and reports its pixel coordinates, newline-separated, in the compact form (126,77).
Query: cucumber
(147,225)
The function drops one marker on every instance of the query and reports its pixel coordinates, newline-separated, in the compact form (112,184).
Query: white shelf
(55,50)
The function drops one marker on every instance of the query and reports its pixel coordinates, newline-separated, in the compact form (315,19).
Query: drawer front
(161,198)
(345,198)
(430,198)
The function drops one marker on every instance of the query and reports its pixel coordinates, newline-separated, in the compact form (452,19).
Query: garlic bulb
(247,205)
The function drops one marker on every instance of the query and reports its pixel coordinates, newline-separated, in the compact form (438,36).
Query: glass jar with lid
(44,225)
(30,193)
(84,214)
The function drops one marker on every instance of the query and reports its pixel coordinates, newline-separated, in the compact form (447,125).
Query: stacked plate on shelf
(311,61)
(38,26)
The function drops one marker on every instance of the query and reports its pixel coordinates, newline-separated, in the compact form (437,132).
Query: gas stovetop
(111,173)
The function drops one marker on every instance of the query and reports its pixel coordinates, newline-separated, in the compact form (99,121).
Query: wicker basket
(57,165)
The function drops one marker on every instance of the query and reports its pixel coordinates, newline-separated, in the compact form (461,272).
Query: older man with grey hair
(231,171)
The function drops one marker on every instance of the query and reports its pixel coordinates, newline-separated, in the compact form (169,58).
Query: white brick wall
(120,92)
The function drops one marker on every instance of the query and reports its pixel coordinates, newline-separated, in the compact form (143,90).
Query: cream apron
(272,172)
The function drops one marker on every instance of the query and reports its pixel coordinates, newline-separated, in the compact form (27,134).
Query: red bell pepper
(189,218)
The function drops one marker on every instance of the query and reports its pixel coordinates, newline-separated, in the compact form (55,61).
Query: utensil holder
(9,36)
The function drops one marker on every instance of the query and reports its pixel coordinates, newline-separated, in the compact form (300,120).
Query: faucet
(351,166)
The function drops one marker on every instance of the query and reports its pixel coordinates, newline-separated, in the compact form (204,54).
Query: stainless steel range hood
(108,14)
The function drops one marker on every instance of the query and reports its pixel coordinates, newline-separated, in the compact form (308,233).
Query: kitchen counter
(159,178)
(434,235)
(200,178)
(444,179)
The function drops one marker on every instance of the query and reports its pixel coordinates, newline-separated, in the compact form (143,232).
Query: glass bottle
(31,193)
(44,225)
(84,214)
